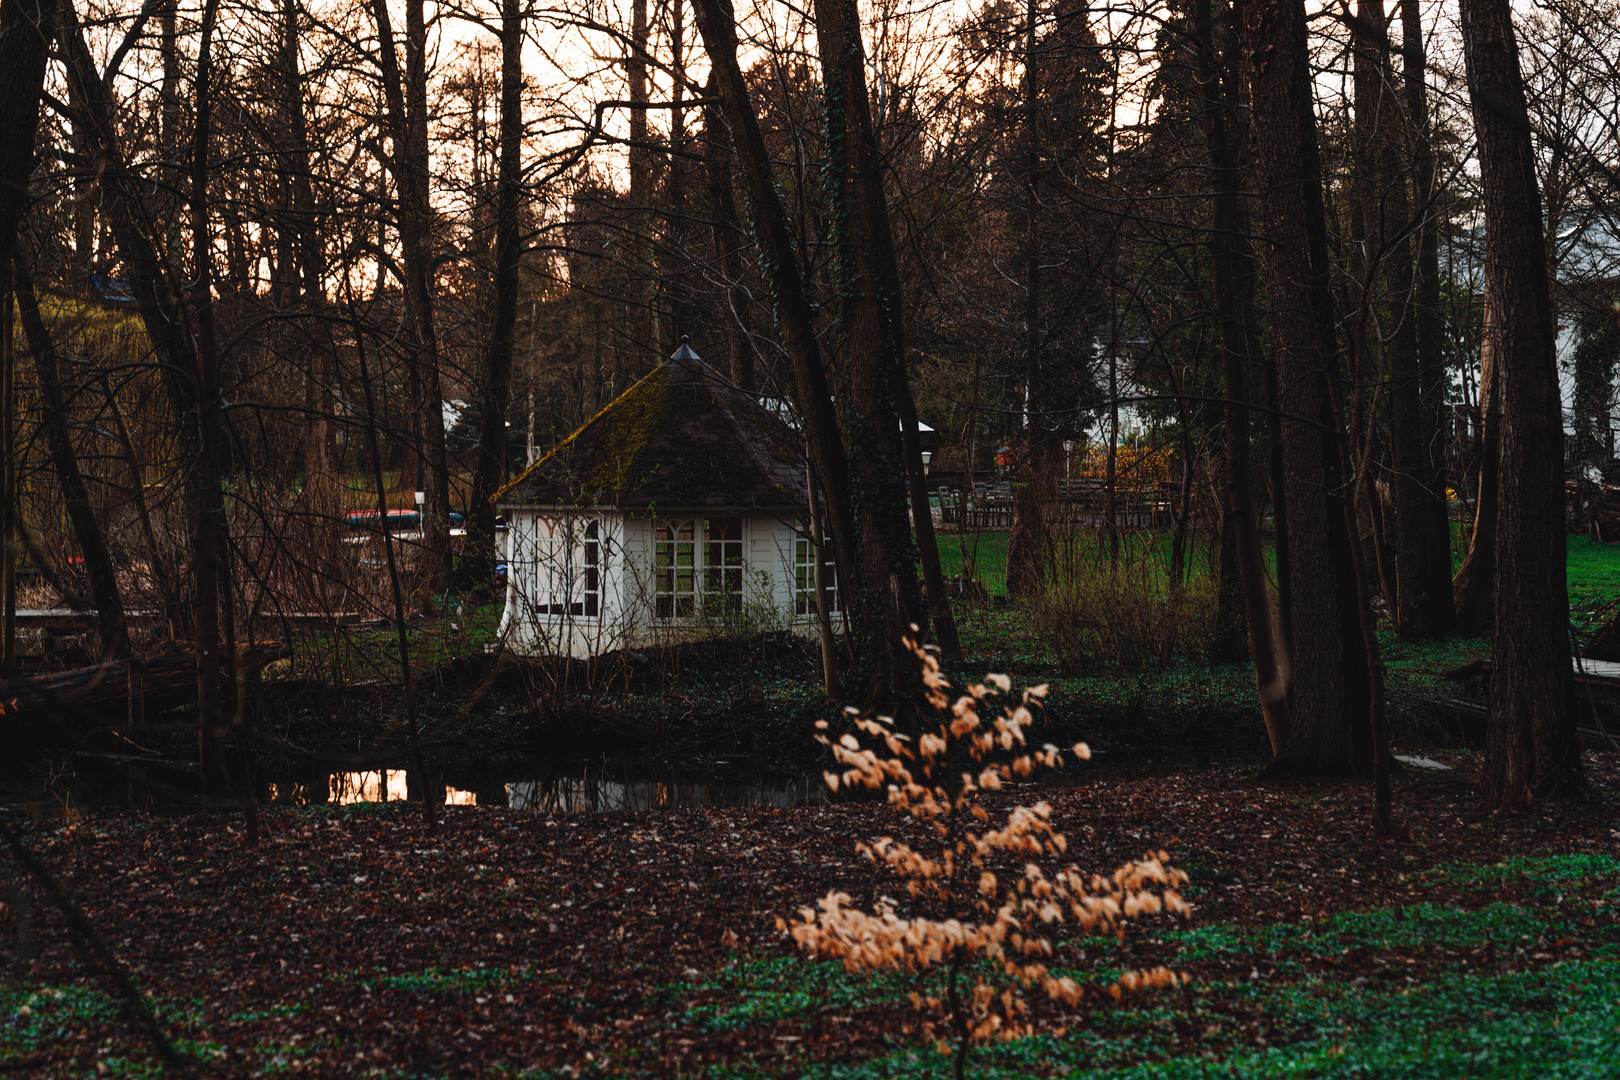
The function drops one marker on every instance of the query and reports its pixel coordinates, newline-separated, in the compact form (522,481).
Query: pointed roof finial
(685,351)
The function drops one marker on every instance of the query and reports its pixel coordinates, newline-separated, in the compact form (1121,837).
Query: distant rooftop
(681,437)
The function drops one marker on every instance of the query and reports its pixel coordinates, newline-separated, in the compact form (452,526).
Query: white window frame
(562,561)
(716,579)
(804,579)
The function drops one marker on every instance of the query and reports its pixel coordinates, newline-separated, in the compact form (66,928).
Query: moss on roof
(681,437)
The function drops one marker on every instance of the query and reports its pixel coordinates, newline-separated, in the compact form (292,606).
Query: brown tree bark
(1027,541)
(871,313)
(25,33)
(1439,612)
(795,322)
(647,336)
(1330,684)
(209,524)
(1531,752)
(306,252)
(922,515)
(1232,278)
(405,96)
(1386,216)
(1473,588)
(727,242)
(490,468)
(26,27)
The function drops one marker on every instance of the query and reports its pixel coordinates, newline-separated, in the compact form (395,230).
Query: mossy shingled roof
(681,437)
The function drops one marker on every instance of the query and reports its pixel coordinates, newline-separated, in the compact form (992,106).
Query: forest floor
(351,941)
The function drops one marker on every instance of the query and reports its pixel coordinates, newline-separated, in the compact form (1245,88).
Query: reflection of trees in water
(345,788)
(552,794)
(587,794)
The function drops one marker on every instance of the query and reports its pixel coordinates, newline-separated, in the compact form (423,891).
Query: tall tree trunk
(871,314)
(1027,540)
(794,319)
(1532,752)
(491,465)
(922,515)
(727,242)
(8,483)
(208,527)
(1439,610)
(1473,588)
(406,101)
(646,335)
(308,252)
(677,274)
(26,28)
(25,37)
(1232,274)
(1385,211)
(1331,691)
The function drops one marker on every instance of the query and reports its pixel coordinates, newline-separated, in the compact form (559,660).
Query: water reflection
(366,786)
(378,785)
(582,790)
(595,794)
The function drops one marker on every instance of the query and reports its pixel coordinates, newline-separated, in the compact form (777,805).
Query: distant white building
(679,510)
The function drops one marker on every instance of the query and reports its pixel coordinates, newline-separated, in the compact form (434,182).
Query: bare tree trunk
(407,128)
(209,524)
(794,319)
(646,337)
(727,241)
(871,311)
(1532,752)
(922,515)
(25,32)
(8,487)
(26,28)
(1331,692)
(1440,610)
(1232,273)
(307,254)
(401,629)
(677,274)
(1386,215)
(156,291)
(491,464)
(818,581)
(1473,588)
(1027,540)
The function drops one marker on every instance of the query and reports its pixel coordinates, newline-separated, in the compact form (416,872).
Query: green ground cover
(1481,987)
(1593,568)
(1594,575)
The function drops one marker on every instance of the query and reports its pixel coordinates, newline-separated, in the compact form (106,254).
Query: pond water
(578,791)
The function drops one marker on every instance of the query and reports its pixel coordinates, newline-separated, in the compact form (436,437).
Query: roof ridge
(690,436)
(576,433)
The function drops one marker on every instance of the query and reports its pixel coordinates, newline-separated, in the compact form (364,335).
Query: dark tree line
(1024,228)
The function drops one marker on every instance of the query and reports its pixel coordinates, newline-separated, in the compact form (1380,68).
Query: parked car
(404,524)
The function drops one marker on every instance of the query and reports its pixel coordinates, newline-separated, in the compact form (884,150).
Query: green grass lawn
(1594,575)
(1593,568)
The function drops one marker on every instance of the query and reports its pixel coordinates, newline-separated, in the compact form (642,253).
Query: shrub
(1128,619)
(990,935)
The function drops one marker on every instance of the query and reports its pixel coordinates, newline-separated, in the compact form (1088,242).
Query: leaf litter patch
(513,943)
